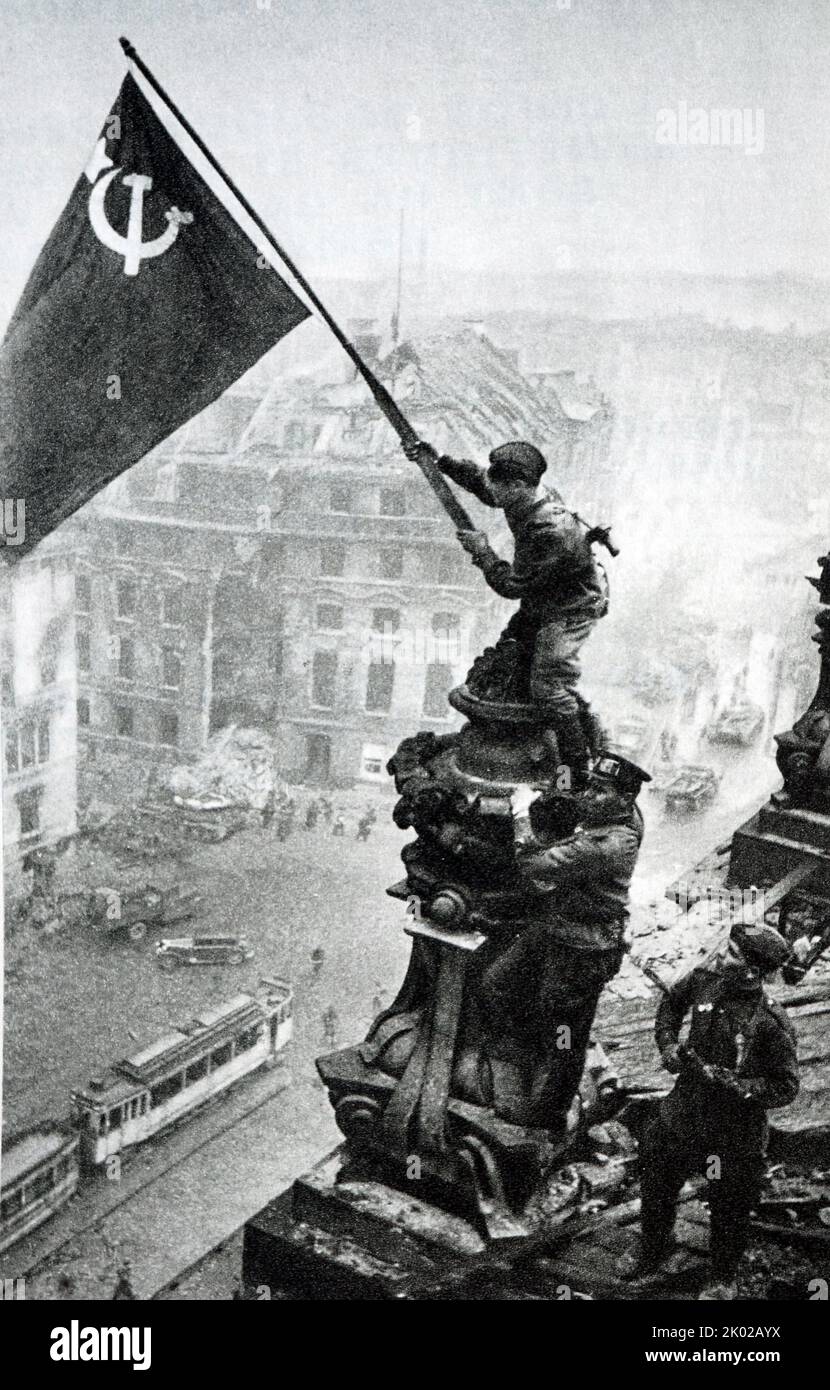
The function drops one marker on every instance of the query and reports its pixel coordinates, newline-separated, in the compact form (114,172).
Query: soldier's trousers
(554,674)
(544,995)
(667,1160)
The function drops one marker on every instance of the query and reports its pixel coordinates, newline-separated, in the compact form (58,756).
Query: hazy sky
(518,133)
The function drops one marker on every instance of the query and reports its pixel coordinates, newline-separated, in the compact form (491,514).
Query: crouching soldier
(739,1062)
(544,989)
(554,575)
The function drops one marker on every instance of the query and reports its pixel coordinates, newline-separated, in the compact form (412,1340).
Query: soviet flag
(146,302)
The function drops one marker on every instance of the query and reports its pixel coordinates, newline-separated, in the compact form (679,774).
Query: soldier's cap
(518,462)
(761,944)
(613,767)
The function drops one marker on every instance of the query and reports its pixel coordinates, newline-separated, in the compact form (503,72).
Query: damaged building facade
(37,658)
(279,563)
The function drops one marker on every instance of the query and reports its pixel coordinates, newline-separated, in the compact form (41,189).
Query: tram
(39,1175)
(145,1093)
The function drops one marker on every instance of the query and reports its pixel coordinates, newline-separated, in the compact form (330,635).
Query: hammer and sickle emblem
(132,247)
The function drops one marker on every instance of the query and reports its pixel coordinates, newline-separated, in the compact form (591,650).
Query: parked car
(201,950)
(741,722)
(691,788)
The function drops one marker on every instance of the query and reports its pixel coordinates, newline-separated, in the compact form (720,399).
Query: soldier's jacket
(583,880)
(745,1032)
(553,571)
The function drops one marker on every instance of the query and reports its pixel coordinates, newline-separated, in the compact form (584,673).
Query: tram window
(249,1039)
(166,1089)
(197,1070)
(11,1204)
(102,1124)
(40,1185)
(222,1055)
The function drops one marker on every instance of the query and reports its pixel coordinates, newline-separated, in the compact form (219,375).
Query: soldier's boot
(595,733)
(718,1293)
(567,735)
(640,1263)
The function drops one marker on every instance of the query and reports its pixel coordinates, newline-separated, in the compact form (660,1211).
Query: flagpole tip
(127,47)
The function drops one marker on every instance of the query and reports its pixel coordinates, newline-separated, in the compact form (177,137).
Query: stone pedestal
(362,1240)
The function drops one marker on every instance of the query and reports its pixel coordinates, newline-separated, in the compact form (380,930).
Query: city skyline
(505,133)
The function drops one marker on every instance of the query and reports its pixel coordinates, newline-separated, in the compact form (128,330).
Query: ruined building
(278,562)
(37,661)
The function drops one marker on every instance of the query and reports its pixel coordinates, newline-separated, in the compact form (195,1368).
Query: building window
(323,674)
(386,619)
(438,682)
(28,809)
(340,498)
(392,501)
(449,567)
(379,685)
(124,721)
(126,658)
(294,435)
(82,652)
(83,593)
(391,561)
(167,483)
(43,739)
(171,607)
(83,712)
(332,558)
(446,631)
(49,661)
(28,745)
(126,595)
(171,668)
(329,617)
(168,727)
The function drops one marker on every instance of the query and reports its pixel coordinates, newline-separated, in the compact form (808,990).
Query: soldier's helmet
(517,462)
(761,944)
(621,772)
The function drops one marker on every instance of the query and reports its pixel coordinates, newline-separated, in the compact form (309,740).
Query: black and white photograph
(415,652)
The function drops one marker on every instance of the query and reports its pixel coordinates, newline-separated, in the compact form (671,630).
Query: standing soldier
(330,1021)
(554,575)
(123,1283)
(268,809)
(572,940)
(339,826)
(739,1062)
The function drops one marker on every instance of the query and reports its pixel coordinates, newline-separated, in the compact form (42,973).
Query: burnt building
(278,562)
(37,662)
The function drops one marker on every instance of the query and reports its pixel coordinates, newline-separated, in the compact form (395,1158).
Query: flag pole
(406,434)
